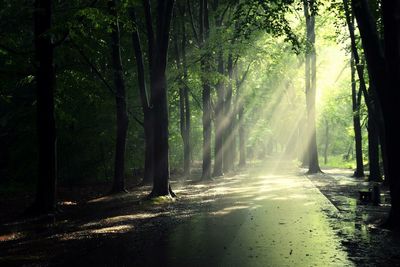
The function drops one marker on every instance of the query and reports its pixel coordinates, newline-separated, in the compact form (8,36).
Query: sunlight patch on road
(121,218)
(11,236)
(113,229)
(228,210)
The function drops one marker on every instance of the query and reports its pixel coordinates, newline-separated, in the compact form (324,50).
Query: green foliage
(260,35)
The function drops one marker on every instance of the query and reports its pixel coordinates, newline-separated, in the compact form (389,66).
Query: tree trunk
(158,52)
(160,133)
(313,166)
(120,99)
(374,55)
(356,100)
(187,144)
(385,81)
(45,201)
(391,21)
(145,102)
(206,92)
(373,150)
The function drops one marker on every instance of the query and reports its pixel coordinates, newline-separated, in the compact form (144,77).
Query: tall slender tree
(148,174)
(370,100)
(391,22)
(158,42)
(311,82)
(45,201)
(204,29)
(385,82)
(120,99)
(356,102)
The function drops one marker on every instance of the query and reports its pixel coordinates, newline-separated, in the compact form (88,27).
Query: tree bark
(158,84)
(120,99)
(356,101)
(367,28)
(145,103)
(391,22)
(45,201)
(385,82)
(313,163)
(206,92)
(373,150)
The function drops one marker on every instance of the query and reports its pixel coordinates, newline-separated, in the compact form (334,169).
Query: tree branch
(93,67)
(196,37)
(150,30)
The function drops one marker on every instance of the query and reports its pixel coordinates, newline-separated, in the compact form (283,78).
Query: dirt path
(262,218)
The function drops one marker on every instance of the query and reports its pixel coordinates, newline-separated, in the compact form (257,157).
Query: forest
(199,133)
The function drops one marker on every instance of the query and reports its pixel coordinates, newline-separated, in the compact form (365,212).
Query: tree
(148,174)
(384,82)
(157,41)
(310,67)
(356,101)
(45,201)
(204,29)
(371,102)
(120,99)
(391,22)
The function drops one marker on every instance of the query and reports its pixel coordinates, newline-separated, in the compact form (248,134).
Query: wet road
(263,220)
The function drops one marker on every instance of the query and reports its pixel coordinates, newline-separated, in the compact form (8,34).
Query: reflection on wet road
(263,220)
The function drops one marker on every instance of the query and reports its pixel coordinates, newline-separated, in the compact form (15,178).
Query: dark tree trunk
(145,102)
(391,21)
(356,100)
(45,201)
(373,150)
(187,150)
(313,164)
(120,99)
(158,84)
(206,92)
(357,66)
(371,99)
(385,81)
(220,122)
(187,144)
(149,164)
(160,133)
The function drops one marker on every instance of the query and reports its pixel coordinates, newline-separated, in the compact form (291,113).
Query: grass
(337,161)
